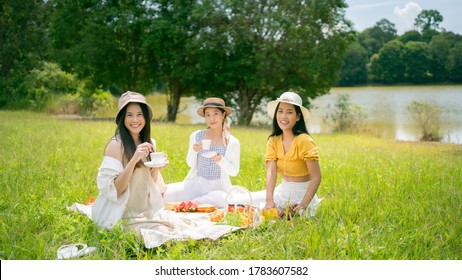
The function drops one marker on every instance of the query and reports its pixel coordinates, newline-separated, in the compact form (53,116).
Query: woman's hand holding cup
(143,150)
(206,143)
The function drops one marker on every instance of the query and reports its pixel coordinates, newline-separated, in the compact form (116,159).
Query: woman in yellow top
(291,152)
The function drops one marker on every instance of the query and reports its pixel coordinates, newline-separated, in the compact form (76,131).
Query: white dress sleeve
(109,207)
(230,163)
(109,170)
(191,158)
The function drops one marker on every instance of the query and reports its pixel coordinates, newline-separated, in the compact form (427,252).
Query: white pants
(293,192)
(288,193)
(197,189)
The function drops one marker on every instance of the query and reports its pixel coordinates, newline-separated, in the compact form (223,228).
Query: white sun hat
(132,97)
(291,98)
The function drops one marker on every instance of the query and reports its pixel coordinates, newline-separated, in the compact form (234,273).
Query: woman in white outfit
(292,153)
(208,180)
(127,188)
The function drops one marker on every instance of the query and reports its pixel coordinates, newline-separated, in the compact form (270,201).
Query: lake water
(386,110)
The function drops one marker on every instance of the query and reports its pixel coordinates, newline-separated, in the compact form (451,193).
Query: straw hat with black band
(214,102)
(290,98)
(132,97)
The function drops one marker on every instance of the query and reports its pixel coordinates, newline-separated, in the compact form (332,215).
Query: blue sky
(365,14)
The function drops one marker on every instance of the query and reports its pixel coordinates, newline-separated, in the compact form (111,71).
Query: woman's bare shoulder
(114,149)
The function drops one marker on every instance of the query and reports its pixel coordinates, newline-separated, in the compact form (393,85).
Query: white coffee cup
(206,143)
(158,157)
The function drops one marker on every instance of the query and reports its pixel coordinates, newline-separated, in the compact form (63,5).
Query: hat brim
(200,110)
(151,115)
(271,108)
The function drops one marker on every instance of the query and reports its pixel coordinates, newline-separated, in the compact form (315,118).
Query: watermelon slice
(180,207)
(187,206)
(191,206)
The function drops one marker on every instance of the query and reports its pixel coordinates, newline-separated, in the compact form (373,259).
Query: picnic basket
(239,210)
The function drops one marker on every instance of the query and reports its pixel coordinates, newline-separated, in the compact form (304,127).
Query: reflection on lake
(386,109)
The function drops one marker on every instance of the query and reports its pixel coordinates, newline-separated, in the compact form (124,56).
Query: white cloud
(408,14)
(369,6)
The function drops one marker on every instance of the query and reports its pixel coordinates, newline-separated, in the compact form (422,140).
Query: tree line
(246,52)
(427,54)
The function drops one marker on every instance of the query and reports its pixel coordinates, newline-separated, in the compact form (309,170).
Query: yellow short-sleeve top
(293,162)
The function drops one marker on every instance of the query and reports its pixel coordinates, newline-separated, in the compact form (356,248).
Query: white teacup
(158,157)
(206,143)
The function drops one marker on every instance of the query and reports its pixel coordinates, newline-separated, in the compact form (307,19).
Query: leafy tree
(23,40)
(418,63)
(455,63)
(267,47)
(66,24)
(102,41)
(444,56)
(411,35)
(428,20)
(428,35)
(354,71)
(170,48)
(439,49)
(370,44)
(388,66)
(383,30)
(374,38)
(258,48)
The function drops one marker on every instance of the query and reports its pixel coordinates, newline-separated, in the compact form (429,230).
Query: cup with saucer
(158,159)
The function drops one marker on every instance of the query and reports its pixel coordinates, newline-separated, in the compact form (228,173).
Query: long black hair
(299,127)
(122,133)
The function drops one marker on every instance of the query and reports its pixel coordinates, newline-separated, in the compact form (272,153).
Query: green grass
(383,199)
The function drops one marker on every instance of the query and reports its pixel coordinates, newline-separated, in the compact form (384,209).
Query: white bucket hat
(291,98)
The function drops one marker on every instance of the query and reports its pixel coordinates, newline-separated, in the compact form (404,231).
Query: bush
(346,117)
(48,83)
(67,104)
(55,91)
(427,117)
(101,101)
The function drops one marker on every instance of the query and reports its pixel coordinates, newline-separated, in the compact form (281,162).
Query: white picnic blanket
(169,225)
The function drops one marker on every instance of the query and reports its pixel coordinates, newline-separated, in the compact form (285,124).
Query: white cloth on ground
(167,225)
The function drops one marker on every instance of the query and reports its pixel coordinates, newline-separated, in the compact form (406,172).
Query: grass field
(383,199)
